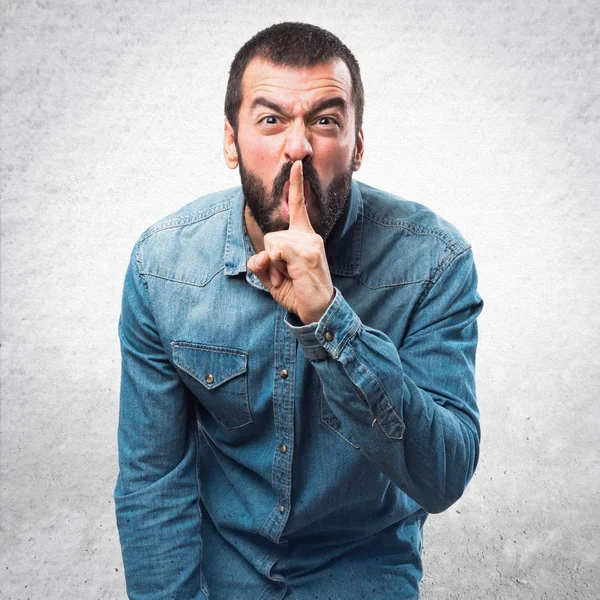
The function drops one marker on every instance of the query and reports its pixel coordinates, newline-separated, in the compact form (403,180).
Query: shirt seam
(416,229)
(181,221)
(443,266)
(193,283)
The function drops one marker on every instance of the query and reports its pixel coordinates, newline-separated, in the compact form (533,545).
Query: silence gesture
(293,266)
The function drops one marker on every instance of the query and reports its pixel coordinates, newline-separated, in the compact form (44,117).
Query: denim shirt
(261,458)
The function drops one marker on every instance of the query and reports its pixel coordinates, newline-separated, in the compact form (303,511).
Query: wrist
(315,316)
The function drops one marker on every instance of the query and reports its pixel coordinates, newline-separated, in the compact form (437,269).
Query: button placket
(283,414)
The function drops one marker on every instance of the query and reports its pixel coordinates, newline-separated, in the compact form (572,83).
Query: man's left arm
(412,410)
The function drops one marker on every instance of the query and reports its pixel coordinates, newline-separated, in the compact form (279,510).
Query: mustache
(309,173)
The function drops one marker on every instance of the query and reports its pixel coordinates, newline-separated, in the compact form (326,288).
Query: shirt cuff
(330,334)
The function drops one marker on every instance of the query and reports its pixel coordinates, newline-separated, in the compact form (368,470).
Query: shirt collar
(236,252)
(342,247)
(344,243)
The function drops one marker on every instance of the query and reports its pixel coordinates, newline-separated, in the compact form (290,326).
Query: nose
(297,144)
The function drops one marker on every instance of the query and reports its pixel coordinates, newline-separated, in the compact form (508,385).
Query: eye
(326,121)
(270,120)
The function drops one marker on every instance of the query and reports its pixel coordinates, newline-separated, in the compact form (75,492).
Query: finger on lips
(296,202)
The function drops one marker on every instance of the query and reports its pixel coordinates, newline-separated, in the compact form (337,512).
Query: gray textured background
(488,112)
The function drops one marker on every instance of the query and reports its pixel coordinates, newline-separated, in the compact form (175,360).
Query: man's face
(290,114)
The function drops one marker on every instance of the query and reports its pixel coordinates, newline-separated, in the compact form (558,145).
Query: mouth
(285,201)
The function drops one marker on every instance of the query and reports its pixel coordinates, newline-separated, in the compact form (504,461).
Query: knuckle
(315,244)
(310,255)
(270,240)
(313,260)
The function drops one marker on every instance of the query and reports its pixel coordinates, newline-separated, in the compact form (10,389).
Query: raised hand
(293,266)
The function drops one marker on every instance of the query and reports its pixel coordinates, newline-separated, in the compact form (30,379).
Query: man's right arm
(156,495)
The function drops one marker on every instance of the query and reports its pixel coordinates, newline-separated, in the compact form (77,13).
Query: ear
(359,150)
(229,149)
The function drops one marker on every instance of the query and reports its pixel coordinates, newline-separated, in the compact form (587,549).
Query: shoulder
(394,213)
(404,241)
(189,235)
(197,211)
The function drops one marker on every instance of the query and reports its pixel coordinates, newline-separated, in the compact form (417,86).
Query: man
(298,358)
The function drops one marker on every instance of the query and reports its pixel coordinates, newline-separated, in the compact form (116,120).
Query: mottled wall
(486,111)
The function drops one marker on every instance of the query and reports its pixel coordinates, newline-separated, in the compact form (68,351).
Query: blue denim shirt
(261,458)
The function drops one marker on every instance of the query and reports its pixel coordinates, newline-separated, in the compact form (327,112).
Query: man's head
(294,93)
(293,45)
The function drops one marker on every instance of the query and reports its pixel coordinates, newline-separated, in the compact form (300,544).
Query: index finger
(299,218)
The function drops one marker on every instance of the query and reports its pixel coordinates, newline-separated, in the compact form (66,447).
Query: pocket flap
(209,365)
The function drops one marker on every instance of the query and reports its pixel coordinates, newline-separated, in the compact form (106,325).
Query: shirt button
(283,374)
(282,509)
(329,335)
(283,448)
(209,378)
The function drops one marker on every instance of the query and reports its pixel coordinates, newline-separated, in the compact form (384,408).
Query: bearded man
(297,358)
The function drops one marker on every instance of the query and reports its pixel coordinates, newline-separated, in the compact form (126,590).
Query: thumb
(268,275)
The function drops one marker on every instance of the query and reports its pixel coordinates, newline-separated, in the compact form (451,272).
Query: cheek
(259,157)
(333,159)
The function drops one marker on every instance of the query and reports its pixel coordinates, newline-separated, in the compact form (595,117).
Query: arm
(421,395)
(156,495)
(411,409)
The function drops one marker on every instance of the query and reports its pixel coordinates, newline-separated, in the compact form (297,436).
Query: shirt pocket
(218,377)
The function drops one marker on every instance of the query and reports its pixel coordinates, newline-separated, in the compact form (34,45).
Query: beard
(326,207)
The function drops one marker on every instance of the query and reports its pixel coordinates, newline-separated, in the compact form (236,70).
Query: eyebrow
(335,102)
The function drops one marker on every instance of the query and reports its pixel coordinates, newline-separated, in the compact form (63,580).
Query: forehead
(291,84)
